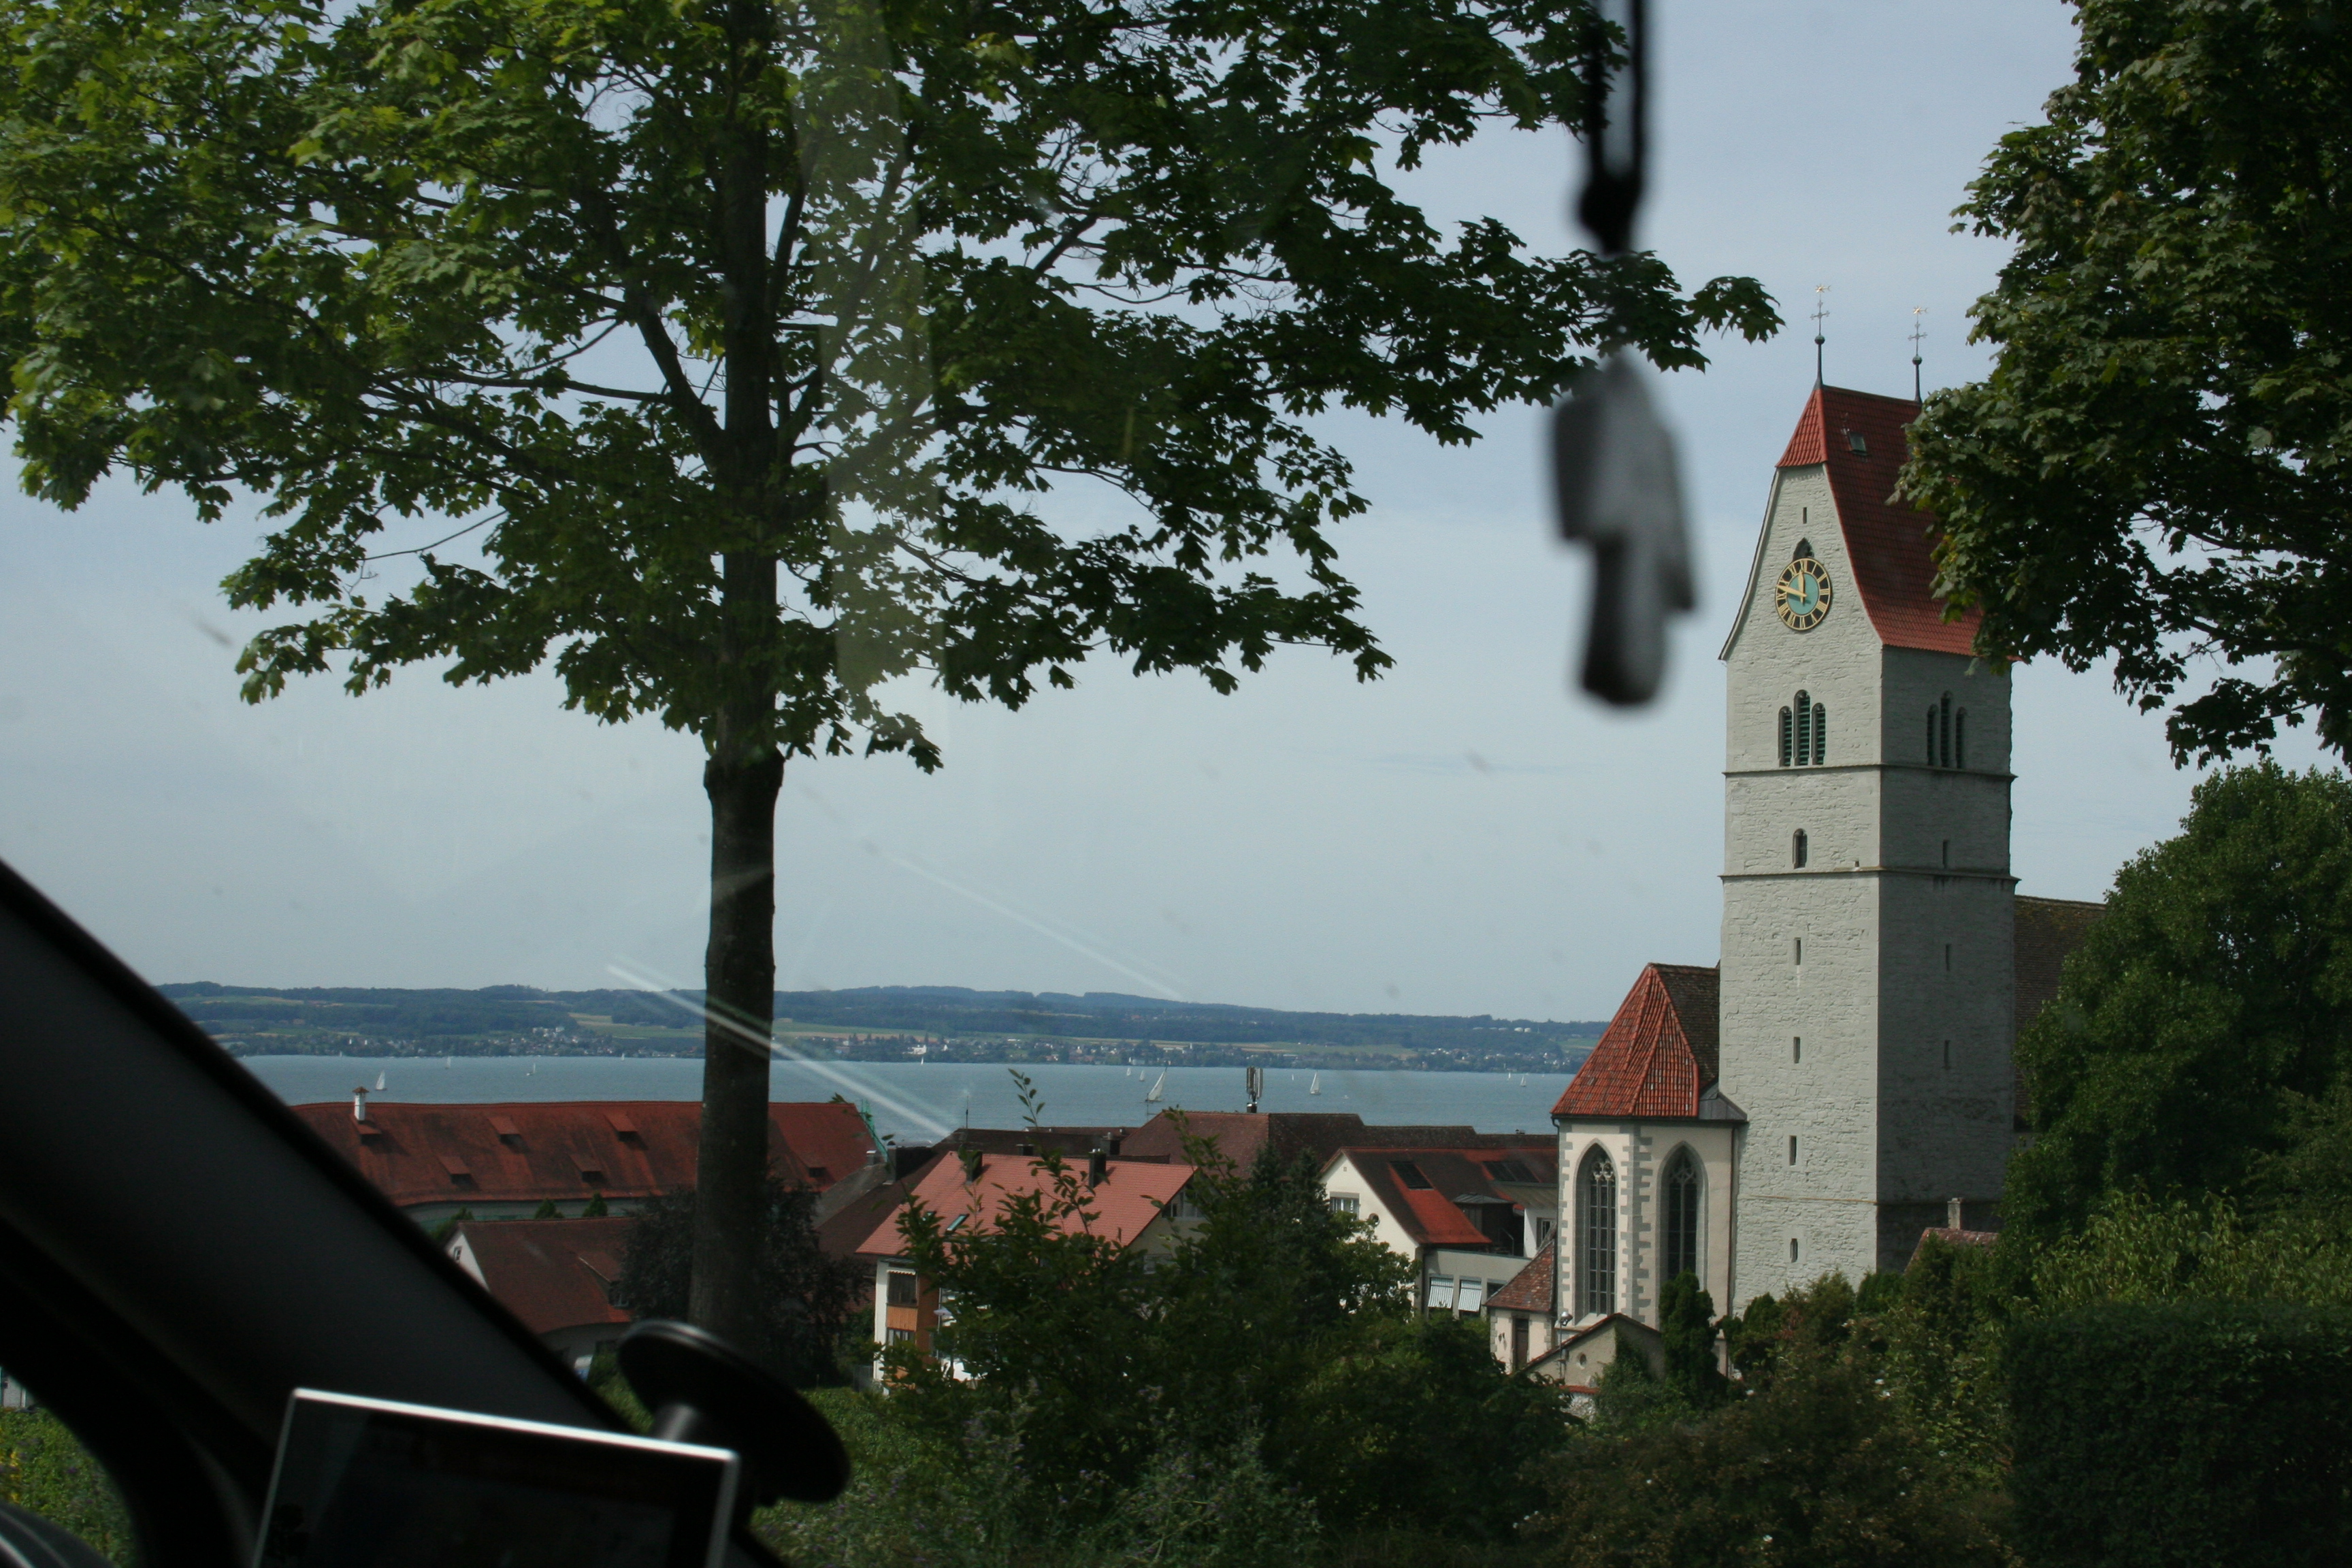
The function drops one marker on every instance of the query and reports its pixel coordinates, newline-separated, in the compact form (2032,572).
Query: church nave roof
(1659,1053)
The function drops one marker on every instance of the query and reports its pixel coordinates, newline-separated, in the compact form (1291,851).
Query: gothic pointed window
(1681,1216)
(1596,1235)
(1804,728)
(1820,734)
(1788,738)
(1960,739)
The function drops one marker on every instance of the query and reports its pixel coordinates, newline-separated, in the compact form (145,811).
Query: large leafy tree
(740,337)
(2159,466)
(2207,1017)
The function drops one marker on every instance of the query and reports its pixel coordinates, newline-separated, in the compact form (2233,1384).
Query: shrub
(44,1468)
(2177,1433)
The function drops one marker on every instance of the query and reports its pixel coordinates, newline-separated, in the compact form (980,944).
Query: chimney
(359,1103)
(970,1163)
(1952,1214)
(1098,1166)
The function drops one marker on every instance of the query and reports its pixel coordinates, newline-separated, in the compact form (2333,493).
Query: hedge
(2204,1432)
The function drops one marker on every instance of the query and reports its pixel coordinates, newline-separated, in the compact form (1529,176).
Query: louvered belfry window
(1788,737)
(1820,734)
(1804,728)
(1681,1216)
(1596,1235)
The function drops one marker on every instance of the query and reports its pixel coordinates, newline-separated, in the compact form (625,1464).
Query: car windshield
(910,686)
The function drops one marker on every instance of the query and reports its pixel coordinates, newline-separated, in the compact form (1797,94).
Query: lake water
(916,1104)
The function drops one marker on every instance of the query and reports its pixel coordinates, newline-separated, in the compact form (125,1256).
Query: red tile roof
(1129,1197)
(1429,1213)
(1887,542)
(1239,1135)
(529,1151)
(1658,1053)
(1531,1290)
(553,1274)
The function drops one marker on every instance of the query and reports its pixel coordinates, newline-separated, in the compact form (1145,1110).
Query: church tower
(1868,971)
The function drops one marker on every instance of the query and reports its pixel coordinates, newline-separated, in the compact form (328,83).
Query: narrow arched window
(1797,850)
(1931,735)
(1960,739)
(1804,728)
(1820,734)
(1596,1235)
(1946,714)
(1681,1217)
(1788,737)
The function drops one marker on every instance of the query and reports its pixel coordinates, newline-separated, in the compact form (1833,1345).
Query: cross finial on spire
(1821,314)
(1918,330)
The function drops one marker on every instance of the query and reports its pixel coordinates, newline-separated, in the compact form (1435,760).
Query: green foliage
(2184,1433)
(547,1210)
(1812,1321)
(44,1468)
(1686,1321)
(1943,1329)
(1814,1470)
(2204,1013)
(1628,1397)
(2140,1249)
(594,1208)
(806,1299)
(2156,469)
(1274,1339)
(448,1228)
(1879,1291)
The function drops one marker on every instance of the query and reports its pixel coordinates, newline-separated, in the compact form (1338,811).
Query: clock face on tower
(1803,594)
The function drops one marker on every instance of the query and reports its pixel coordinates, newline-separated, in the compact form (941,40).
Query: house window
(1544,1230)
(1472,1297)
(1682,1215)
(1410,1175)
(1788,737)
(1596,1271)
(1804,729)
(1441,1292)
(900,1336)
(902,1288)
(1518,1341)
(1797,850)
(1344,1203)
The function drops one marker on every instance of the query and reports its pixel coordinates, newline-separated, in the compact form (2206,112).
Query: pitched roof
(1129,1198)
(1858,437)
(528,1152)
(1658,1054)
(2046,931)
(553,1274)
(1420,1185)
(1531,1290)
(1239,1135)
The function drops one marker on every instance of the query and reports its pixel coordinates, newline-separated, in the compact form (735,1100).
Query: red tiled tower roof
(531,1151)
(1887,540)
(1658,1054)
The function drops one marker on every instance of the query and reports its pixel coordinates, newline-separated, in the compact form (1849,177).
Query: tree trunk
(739,979)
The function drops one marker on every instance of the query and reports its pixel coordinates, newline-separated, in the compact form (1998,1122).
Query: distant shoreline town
(894,1023)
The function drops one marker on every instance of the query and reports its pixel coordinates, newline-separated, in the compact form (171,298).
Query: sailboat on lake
(1152,1097)
(1315,1084)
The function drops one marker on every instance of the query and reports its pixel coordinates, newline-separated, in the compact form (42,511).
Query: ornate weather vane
(1821,314)
(1919,331)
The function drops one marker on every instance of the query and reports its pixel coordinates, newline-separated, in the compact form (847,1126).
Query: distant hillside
(873,1022)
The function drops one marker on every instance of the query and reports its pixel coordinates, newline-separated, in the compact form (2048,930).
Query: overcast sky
(1464,837)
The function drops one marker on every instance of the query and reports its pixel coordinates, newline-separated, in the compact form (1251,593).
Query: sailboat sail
(379,1083)
(1152,1098)
(1314,1085)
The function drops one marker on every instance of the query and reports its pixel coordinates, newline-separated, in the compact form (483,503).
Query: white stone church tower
(1816,1102)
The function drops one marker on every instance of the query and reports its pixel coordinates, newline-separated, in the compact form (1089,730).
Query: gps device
(368,1483)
